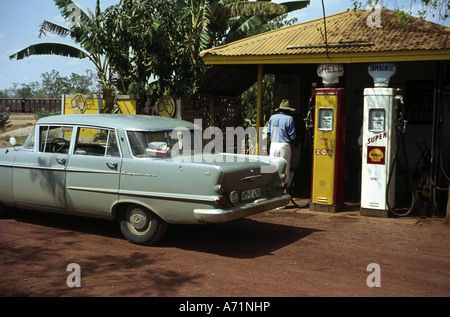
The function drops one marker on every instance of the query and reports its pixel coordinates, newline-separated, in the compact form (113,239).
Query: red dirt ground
(287,253)
(280,253)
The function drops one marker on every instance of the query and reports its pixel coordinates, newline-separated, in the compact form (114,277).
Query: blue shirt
(281,128)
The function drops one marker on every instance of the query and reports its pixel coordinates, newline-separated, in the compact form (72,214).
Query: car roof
(121,121)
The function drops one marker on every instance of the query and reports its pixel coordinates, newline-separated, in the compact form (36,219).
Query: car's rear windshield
(165,143)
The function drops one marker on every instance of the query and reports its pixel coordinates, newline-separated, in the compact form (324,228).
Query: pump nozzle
(308,119)
(399,94)
(401,122)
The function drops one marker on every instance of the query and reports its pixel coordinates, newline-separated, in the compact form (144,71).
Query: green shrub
(45,113)
(4,117)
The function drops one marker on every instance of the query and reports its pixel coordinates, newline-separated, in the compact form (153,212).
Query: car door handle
(112,166)
(61,161)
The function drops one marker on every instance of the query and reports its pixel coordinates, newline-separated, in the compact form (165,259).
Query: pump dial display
(377,120)
(325,119)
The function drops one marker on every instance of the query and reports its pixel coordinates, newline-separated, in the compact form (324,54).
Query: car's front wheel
(141,226)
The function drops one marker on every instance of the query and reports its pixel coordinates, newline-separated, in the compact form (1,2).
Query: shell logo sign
(376,155)
(330,73)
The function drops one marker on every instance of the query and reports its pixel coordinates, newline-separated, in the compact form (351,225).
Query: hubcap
(138,219)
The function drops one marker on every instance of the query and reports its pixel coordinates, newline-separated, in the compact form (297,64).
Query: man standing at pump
(281,133)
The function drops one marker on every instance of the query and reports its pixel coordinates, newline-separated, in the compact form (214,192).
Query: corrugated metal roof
(349,32)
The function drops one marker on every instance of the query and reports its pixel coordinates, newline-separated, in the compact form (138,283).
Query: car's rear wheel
(141,226)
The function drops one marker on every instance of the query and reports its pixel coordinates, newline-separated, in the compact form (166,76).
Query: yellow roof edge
(361,57)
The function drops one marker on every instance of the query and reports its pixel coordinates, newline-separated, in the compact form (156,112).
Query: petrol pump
(328,141)
(379,137)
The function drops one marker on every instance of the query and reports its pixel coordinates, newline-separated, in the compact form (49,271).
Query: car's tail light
(220,200)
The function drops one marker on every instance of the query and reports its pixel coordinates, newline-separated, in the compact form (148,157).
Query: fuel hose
(401,127)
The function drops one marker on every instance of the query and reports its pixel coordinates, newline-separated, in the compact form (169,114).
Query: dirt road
(288,253)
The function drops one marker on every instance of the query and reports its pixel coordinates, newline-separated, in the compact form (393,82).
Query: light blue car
(144,171)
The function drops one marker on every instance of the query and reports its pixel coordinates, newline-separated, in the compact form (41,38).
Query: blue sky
(19,27)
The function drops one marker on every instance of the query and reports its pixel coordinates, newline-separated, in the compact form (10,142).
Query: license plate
(252,193)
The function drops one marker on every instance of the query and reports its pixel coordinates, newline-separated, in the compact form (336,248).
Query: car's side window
(112,148)
(96,142)
(55,139)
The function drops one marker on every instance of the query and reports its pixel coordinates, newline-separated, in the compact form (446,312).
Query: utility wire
(325,26)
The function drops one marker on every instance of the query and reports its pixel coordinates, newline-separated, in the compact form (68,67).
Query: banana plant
(236,19)
(221,21)
(85,30)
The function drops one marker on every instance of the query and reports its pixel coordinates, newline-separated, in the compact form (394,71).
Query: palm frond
(51,27)
(49,49)
(247,8)
(295,5)
(63,6)
(205,36)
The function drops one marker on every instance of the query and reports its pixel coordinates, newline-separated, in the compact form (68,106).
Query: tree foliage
(438,9)
(234,20)
(249,98)
(143,46)
(88,33)
(152,47)
(53,85)
(4,118)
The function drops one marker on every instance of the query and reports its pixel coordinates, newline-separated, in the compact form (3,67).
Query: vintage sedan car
(142,170)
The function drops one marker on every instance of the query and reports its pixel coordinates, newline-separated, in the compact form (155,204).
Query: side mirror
(12,141)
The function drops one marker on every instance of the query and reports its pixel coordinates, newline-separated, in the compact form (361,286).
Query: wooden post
(259,105)
(211,122)
(178,108)
(447,220)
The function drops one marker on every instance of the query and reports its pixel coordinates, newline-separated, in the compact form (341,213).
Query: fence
(217,111)
(30,105)
(214,110)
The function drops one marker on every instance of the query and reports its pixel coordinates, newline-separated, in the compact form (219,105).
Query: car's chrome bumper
(220,215)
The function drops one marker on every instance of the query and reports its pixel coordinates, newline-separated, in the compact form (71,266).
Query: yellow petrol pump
(328,150)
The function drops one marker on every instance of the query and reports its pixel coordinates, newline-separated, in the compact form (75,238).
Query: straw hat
(284,105)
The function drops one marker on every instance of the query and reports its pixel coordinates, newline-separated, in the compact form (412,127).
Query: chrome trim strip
(50,168)
(176,196)
(250,178)
(94,189)
(74,170)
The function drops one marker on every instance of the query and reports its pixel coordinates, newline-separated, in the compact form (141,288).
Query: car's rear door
(93,172)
